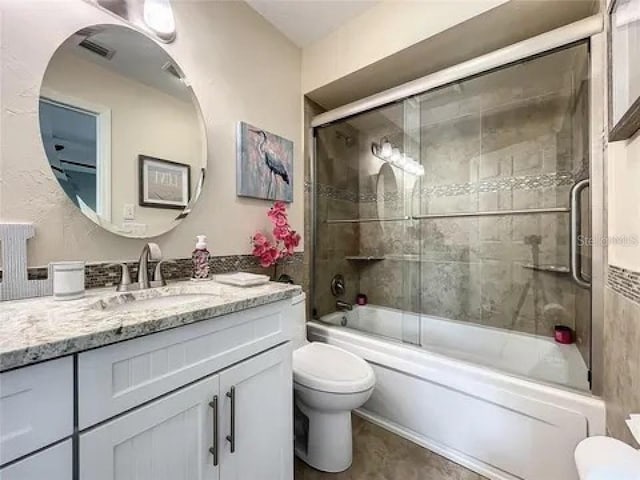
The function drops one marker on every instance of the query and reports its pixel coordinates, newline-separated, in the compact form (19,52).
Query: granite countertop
(42,328)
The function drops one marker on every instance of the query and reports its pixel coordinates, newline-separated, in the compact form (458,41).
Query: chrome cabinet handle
(576,231)
(231,438)
(214,450)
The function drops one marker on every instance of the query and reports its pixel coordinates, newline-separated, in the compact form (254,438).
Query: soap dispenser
(200,258)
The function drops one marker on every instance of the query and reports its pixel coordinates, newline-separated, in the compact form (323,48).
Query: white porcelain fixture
(464,411)
(604,458)
(328,383)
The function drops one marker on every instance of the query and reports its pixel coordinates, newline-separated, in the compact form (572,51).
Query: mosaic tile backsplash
(104,275)
(624,282)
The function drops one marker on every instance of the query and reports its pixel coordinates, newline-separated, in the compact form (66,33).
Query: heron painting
(265,164)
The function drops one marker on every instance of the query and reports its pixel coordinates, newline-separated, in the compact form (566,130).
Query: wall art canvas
(163,184)
(264,164)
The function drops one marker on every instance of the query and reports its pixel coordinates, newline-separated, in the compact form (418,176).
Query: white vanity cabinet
(210,400)
(257,415)
(53,463)
(36,407)
(207,401)
(168,439)
(230,426)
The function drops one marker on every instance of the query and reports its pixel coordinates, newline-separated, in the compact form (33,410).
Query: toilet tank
(299,312)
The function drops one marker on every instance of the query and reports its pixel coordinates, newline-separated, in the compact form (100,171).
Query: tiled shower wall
(495,142)
(337,177)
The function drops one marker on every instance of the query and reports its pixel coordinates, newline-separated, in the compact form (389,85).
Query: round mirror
(122,131)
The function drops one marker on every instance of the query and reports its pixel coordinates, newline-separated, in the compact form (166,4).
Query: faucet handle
(158,277)
(125,278)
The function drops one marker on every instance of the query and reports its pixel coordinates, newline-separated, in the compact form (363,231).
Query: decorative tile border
(329,191)
(102,275)
(501,184)
(625,282)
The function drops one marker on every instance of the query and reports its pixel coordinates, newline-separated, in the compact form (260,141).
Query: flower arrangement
(285,239)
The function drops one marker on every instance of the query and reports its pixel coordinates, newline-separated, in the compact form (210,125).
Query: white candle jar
(68,280)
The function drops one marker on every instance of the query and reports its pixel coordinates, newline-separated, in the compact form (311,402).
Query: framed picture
(624,69)
(264,164)
(163,184)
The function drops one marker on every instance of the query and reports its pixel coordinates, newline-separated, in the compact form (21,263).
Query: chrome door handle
(576,231)
(231,438)
(214,449)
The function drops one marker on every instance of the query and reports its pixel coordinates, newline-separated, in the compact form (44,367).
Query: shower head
(348,140)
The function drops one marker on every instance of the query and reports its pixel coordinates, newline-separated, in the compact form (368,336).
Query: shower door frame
(589,29)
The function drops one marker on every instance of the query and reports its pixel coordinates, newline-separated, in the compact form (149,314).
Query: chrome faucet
(151,251)
(343,306)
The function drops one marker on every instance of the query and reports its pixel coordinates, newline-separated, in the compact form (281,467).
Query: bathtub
(467,392)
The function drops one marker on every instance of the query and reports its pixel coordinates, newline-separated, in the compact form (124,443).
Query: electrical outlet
(129,211)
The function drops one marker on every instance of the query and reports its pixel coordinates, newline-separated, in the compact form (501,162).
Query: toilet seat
(330,369)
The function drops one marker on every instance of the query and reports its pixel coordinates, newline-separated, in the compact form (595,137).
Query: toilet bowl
(605,458)
(328,383)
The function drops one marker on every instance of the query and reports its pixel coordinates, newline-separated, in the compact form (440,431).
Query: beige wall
(386,28)
(144,120)
(241,68)
(622,315)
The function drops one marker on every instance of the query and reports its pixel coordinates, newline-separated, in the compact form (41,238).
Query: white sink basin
(605,458)
(127,303)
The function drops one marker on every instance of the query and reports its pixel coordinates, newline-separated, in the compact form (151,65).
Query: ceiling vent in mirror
(93,47)
(172,69)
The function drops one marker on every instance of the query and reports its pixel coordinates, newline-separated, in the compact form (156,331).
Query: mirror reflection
(122,131)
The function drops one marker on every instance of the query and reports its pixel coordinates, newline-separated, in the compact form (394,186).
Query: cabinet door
(54,463)
(168,439)
(260,423)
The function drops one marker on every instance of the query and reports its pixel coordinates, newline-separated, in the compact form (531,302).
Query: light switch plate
(129,211)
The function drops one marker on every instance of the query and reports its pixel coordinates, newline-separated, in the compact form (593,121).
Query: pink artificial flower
(258,250)
(280,206)
(269,257)
(292,239)
(260,239)
(281,232)
(285,238)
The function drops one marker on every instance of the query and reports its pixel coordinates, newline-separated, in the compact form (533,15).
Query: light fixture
(386,152)
(158,16)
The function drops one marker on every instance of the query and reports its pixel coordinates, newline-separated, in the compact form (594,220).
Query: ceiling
(507,24)
(305,21)
(135,57)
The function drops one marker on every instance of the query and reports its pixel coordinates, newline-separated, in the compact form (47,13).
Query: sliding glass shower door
(451,212)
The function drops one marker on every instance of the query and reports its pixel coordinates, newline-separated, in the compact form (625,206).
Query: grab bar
(576,231)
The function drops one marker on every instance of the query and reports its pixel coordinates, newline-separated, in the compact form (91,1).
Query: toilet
(605,458)
(328,383)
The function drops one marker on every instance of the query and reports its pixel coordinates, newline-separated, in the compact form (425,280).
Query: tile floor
(381,455)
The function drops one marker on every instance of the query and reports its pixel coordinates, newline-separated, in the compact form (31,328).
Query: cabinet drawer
(119,377)
(54,463)
(36,407)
